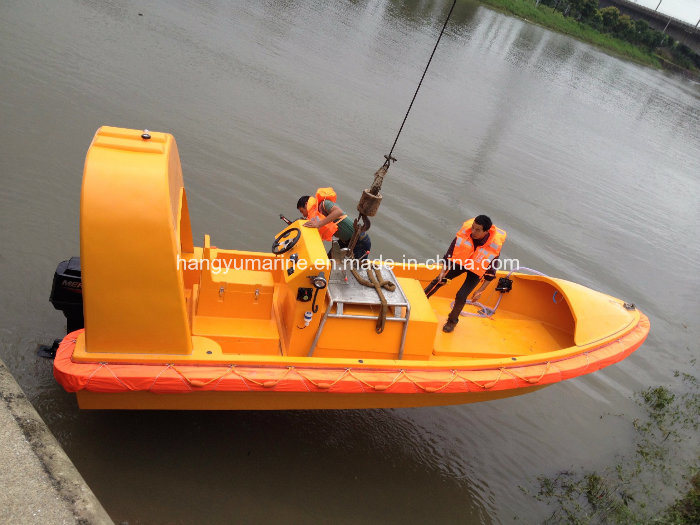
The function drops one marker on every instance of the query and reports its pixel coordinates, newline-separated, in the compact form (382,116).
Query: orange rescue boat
(170,325)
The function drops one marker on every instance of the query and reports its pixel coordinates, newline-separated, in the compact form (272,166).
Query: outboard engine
(67,293)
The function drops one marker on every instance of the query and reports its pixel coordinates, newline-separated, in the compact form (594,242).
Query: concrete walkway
(38,483)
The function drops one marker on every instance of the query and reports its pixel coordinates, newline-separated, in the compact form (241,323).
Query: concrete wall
(39,485)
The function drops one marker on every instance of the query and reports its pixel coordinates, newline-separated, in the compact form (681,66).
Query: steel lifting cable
(371,199)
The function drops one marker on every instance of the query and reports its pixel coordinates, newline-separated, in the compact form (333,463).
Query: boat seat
(240,335)
(236,294)
(234,309)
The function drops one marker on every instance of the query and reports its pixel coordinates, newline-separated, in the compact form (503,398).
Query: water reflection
(272,465)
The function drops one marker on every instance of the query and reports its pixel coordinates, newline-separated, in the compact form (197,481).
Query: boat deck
(506,334)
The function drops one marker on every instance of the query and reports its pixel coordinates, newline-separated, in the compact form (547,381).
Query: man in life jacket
(477,244)
(323,213)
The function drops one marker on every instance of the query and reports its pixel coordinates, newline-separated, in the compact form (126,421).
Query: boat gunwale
(335,362)
(630,342)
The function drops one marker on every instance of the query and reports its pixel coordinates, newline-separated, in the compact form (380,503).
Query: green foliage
(611,15)
(626,28)
(549,17)
(686,509)
(642,26)
(586,9)
(685,56)
(626,492)
(605,27)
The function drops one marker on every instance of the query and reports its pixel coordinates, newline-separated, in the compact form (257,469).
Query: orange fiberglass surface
(170,325)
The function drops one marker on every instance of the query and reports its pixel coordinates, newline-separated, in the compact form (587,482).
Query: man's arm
(491,271)
(449,251)
(446,257)
(334,214)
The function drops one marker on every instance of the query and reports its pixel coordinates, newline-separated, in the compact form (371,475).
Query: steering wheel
(282,244)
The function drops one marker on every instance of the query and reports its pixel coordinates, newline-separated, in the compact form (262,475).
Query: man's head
(301,205)
(481,226)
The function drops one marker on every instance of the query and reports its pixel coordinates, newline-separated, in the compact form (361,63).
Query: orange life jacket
(315,212)
(477,260)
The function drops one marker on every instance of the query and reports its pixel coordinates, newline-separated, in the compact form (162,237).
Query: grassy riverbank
(630,492)
(552,19)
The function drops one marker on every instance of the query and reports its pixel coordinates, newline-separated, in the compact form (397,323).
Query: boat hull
(288,401)
(257,387)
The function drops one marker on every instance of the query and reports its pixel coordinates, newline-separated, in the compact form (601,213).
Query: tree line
(609,20)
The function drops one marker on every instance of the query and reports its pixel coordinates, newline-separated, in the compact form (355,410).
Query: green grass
(687,509)
(629,491)
(552,19)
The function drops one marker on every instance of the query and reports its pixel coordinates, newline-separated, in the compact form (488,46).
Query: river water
(589,162)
